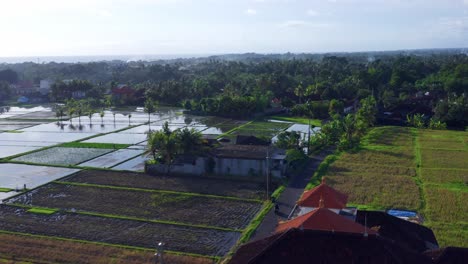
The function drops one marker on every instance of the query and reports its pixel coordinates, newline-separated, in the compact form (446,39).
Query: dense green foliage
(243,87)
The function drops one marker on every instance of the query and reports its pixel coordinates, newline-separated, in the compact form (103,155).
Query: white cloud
(312,12)
(251,12)
(302,23)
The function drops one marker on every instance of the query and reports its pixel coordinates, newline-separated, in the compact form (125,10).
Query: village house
(231,160)
(321,234)
(23,88)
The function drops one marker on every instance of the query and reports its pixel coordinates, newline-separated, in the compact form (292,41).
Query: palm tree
(189,140)
(150,107)
(167,145)
(59,114)
(79,112)
(114,117)
(71,112)
(90,116)
(101,114)
(129,116)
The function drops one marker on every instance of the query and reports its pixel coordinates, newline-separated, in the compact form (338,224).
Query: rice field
(63,156)
(422,170)
(444,172)
(382,174)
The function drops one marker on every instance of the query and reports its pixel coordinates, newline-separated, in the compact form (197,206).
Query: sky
(125,27)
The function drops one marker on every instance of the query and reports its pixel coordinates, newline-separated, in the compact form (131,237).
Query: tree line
(245,87)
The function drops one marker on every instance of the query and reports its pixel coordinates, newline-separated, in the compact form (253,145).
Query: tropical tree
(289,140)
(129,117)
(90,115)
(59,111)
(166,145)
(101,114)
(189,140)
(150,107)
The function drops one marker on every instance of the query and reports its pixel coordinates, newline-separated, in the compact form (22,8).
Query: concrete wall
(234,167)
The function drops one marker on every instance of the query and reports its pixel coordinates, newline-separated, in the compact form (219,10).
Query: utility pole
(308,140)
(268,173)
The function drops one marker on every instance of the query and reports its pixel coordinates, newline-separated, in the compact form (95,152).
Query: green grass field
(382,174)
(421,170)
(444,174)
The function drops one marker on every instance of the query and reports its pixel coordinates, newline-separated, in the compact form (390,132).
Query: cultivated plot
(6,151)
(119,231)
(118,138)
(382,174)
(83,127)
(135,164)
(19,248)
(43,137)
(16,175)
(174,207)
(113,158)
(240,189)
(63,156)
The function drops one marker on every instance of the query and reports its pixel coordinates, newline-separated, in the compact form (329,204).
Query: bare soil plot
(63,156)
(379,191)
(247,190)
(118,231)
(41,249)
(198,210)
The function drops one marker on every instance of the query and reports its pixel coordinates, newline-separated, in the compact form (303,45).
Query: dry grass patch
(378,191)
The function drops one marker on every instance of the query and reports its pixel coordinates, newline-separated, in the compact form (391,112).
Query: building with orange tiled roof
(325,220)
(331,197)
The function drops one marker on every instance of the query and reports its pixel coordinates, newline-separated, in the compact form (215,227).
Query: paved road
(288,198)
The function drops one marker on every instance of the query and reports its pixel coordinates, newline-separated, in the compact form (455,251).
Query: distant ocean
(75,59)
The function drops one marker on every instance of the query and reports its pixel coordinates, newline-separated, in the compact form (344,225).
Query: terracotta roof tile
(331,197)
(326,220)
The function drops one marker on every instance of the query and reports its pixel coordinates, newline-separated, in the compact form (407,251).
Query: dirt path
(289,197)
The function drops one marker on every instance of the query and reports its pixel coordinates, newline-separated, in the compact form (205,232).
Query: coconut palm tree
(101,114)
(150,107)
(129,116)
(189,140)
(90,116)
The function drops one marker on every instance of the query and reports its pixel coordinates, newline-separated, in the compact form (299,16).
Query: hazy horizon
(109,28)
